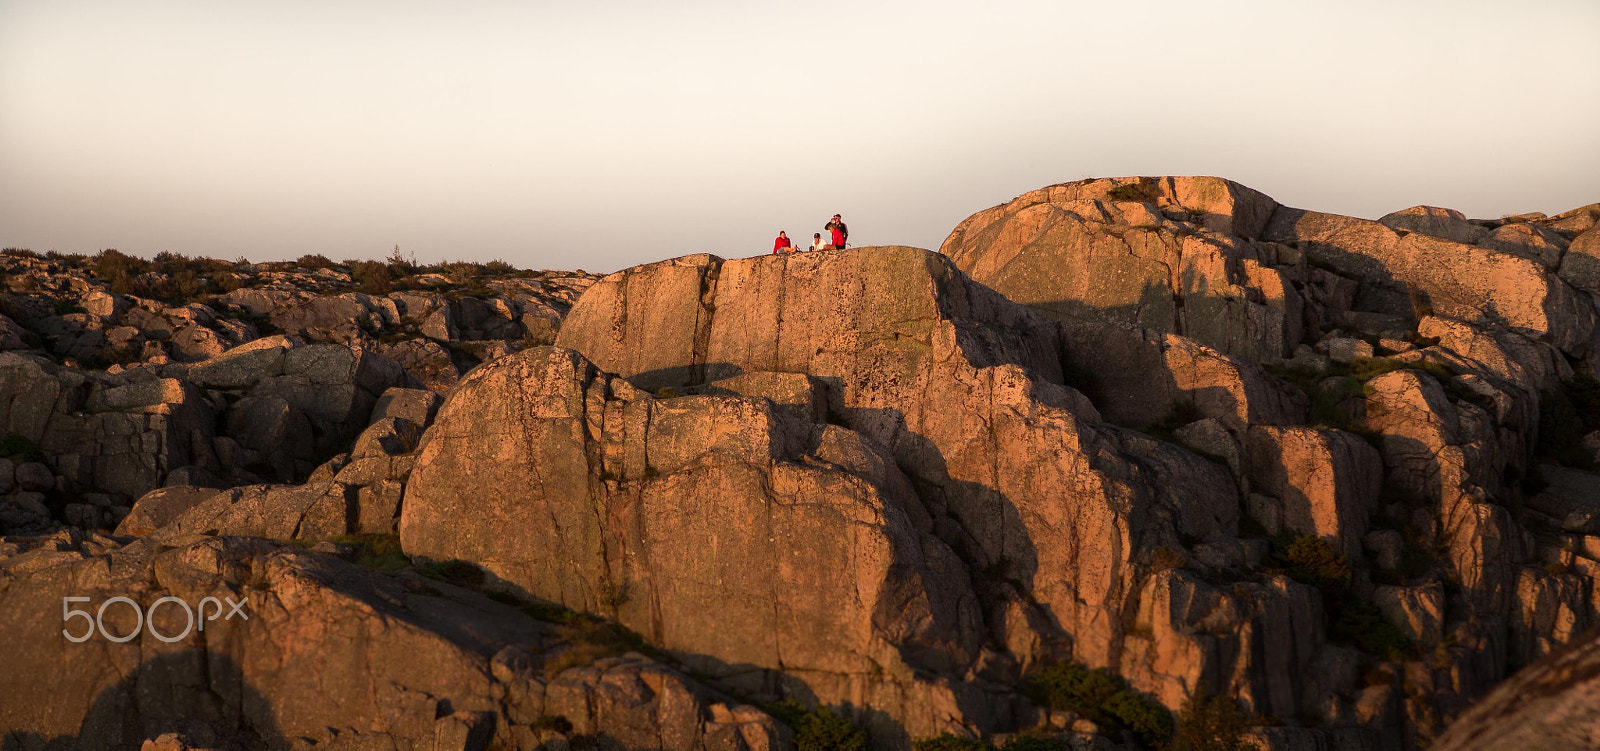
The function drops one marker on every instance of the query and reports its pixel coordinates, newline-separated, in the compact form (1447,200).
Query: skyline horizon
(599,137)
(765,245)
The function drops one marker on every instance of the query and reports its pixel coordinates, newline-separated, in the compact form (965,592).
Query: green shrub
(1020,742)
(1565,415)
(113,266)
(371,277)
(1312,560)
(555,722)
(1363,626)
(1327,404)
(377,552)
(17,447)
(1101,696)
(229,282)
(819,729)
(1367,368)
(1025,742)
(459,573)
(314,261)
(172,263)
(1132,192)
(948,742)
(399,265)
(1210,724)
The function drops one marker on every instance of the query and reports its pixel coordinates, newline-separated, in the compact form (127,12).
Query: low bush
(1565,416)
(1140,191)
(172,278)
(19,448)
(1311,560)
(459,573)
(948,742)
(371,277)
(1101,696)
(1363,626)
(1213,723)
(377,552)
(1021,742)
(819,729)
(554,722)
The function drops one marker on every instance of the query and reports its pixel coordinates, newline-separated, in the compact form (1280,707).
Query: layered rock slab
(321,654)
(1483,284)
(719,527)
(1554,703)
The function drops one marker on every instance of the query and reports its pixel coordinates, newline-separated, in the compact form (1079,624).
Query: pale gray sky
(599,135)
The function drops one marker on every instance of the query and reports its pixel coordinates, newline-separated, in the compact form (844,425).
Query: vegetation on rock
(819,728)
(1101,696)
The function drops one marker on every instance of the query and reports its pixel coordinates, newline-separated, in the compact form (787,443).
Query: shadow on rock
(201,695)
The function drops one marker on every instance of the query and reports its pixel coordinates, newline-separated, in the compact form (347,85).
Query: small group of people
(838,234)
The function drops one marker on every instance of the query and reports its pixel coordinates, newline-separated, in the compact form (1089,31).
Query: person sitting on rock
(817,243)
(838,231)
(782,244)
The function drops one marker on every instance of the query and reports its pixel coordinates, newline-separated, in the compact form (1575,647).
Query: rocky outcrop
(122,375)
(1499,281)
(709,524)
(318,652)
(104,433)
(1018,481)
(270,407)
(1580,267)
(1176,255)
(1161,427)
(1320,482)
(357,492)
(1554,703)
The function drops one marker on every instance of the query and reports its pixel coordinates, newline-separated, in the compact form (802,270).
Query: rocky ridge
(1160,434)
(236,373)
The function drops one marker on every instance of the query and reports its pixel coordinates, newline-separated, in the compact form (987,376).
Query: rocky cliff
(1130,463)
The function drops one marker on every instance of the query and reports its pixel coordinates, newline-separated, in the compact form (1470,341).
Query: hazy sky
(599,135)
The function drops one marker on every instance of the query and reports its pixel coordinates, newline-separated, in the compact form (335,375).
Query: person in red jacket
(839,232)
(782,244)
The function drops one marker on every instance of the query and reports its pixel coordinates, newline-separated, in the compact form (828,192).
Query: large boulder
(1580,267)
(1433,221)
(1169,254)
(161,507)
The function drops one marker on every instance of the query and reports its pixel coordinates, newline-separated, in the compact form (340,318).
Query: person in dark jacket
(839,232)
(782,244)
